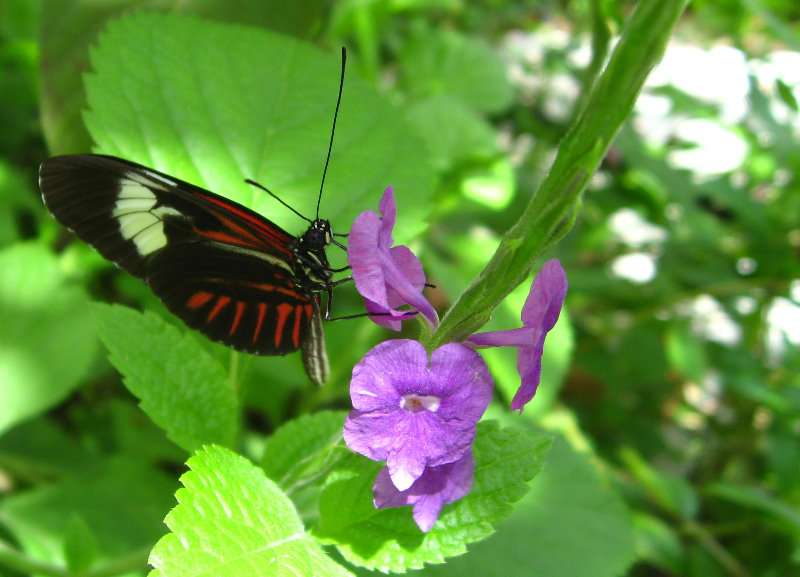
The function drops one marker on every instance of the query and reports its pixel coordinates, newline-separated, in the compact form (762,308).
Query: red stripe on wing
(240,306)
(298,318)
(262,311)
(264,234)
(222,302)
(270,288)
(284,310)
(199,299)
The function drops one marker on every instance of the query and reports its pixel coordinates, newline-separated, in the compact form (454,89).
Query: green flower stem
(555,205)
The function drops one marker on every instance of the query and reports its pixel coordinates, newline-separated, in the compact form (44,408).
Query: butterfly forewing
(222,268)
(128,212)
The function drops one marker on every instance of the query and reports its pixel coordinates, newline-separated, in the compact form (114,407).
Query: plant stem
(556,203)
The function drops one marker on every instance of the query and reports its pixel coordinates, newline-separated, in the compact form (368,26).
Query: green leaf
(47,343)
(233,521)
(303,449)
(80,547)
(18,91)
(454,132)
(686,353)
(134,434)
(68,28)
(659,543)
(181,387)
(492,185)
(786,95)
(18,198)
(782,513)
(39,448)
(388,540)
(121,501)
(436,62)
(19,19)
(671,492)
(260,109)
(570,524)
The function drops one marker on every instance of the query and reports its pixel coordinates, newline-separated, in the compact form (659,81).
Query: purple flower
(436,487)
(412,413)
(539,315)
(387,277)
(419,415)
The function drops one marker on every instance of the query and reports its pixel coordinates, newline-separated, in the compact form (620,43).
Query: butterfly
(222,268)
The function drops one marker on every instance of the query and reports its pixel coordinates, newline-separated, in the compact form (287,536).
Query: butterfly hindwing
(222,268)
(232,297)
(315,356)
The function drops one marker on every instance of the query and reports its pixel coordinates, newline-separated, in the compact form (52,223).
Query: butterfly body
(222,268)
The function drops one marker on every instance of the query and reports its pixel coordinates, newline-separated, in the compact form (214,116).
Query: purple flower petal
(408,270)
(363,259)
(387,277)
(510,338)
(436,487)
(388,209)
(540,312)
(414,415)
(544,302)
(539,315)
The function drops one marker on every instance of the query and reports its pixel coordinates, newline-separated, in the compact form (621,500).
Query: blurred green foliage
(682,385)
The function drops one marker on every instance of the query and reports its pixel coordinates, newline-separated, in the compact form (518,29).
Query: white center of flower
(418,403)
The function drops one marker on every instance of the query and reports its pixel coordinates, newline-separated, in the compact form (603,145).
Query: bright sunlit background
(672,381)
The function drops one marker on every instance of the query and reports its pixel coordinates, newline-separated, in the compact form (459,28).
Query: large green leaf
(101,497)
(436,62)
(68,28)
(179,384)
(46,338)
(304,449)
(233,521)
(454,132)
(164,94)
(388,540)
(569,525)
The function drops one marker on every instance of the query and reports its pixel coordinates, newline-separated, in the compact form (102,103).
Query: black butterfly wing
(128,211)
(222,268)
(232,298)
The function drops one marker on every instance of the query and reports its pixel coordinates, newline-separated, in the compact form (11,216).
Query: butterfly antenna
(333,129)
(276,197)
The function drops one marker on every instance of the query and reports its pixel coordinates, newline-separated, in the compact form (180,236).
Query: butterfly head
(318,235)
